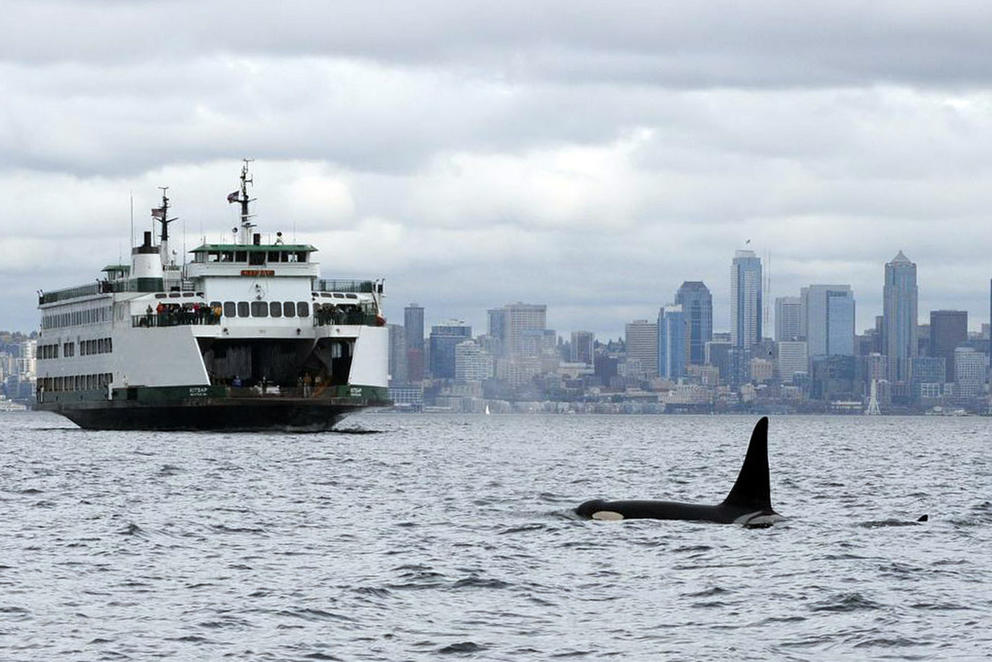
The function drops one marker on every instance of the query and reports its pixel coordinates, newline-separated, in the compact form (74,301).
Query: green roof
(252,248)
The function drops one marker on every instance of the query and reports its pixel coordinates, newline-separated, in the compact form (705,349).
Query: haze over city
(591,157)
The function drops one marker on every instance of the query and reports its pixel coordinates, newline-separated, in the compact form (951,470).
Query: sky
(590,156)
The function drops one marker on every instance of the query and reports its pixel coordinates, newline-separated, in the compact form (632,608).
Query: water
(436,537)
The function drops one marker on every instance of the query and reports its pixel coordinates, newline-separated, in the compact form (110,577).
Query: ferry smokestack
(148,239)
(256,239)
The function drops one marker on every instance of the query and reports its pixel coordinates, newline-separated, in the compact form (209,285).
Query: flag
(233,197)
(158,213)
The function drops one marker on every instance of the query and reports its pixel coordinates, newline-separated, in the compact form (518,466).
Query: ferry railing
(173,318)
(353,286)
(329,315)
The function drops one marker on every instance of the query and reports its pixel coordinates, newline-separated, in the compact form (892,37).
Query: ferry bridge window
(273,256)
(302,309)
(256,257)
(289,309)
(275,309)
(242,309)
(230,309)
(259,309)
(241,256)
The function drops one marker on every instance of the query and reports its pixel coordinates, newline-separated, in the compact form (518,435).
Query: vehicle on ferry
(245,336)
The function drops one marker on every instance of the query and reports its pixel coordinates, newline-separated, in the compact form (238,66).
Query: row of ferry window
(86,347)
(266,309)
(75,382)
(77,318)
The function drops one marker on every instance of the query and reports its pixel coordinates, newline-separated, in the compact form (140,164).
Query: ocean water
(447,537)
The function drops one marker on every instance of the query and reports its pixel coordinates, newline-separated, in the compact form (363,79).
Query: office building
(472,363)
(444,338)
(793,357)
(788,313)
(899,297)
(948,330)
(969,370)
(829,311)
(673,350)
(518,320)
(581,347)
(413,329)
(745,299)
(397,355)
(697,306)
(642,348)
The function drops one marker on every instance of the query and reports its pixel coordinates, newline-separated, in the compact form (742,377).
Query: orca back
(752,490)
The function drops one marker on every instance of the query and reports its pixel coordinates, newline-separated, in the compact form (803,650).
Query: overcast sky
(590,156)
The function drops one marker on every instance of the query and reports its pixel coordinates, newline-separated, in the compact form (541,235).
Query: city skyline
(449,159)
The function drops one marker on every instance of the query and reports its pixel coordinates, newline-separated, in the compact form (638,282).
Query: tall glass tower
(745,299)
(697,306)
(899,335)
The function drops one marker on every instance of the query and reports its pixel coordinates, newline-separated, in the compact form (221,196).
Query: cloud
(585,155)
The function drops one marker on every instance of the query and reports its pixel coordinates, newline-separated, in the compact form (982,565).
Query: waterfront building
(793,357)
(745,299)
(581,347)
(697,306)
(673,349)
(899,322)
(829,321)
(969,369)
(788,315)
(833,378)
(642,348)
(948,330)
(443,340)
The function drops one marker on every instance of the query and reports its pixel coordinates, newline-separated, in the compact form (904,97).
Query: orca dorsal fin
(751,489)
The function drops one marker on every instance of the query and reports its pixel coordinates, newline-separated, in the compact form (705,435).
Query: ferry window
(242,309)
(110,344)
(289,309)
(303,309)
(275,309)
(273,256)
(227,256)
(256,258)
(259,309)
(291,257)
(230,309)
(160,295)
(213,256)
(241,256)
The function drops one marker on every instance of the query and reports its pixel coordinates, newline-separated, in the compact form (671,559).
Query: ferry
(245,335)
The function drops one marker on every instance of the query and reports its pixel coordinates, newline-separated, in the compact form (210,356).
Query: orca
(748,504)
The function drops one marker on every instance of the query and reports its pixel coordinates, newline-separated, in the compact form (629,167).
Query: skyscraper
(948,329)
(518,319)
(672,347)
(829,324)
(444,338)
(787,316)
(745,299)
(413,324)
(697,306)
(580,349)
(642,347)
(413,327)
(397,355)
(899,316)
